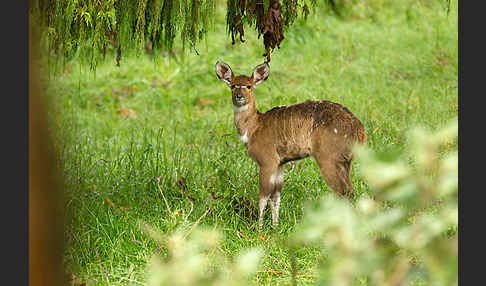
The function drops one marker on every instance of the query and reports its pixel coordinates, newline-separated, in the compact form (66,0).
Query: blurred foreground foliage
(194,258)
(406,233)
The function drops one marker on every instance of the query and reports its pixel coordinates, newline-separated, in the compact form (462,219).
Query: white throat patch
(244,138)
(240,108)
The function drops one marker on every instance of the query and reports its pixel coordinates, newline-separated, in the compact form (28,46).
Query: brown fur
(322,129)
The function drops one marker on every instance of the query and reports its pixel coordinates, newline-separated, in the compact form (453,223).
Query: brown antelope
(321,129)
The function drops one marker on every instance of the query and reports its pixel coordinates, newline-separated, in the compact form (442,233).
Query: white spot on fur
(241,86)
(335,130)
(240,108)
(244,138)
(276,178)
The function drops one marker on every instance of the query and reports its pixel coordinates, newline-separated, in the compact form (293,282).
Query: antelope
(322,129)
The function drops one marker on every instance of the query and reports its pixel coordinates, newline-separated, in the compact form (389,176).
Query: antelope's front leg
(267,188)
(277,180)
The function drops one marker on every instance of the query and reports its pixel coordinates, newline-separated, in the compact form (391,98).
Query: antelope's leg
(262,203)
(333,155)
(266,189)
(336,174)
(277,180)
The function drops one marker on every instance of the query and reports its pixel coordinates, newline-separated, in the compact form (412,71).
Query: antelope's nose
(239,96)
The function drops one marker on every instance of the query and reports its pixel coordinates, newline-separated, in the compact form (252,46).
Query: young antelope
(322,129)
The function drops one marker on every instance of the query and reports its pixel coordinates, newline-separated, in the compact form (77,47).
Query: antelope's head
(242,86)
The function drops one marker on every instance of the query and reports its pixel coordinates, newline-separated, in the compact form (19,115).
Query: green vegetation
(89,29)
(150,146)
(367,243)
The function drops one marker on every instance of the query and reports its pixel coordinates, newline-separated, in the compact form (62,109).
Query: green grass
(394,70)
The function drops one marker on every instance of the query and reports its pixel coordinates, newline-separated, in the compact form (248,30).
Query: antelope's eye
(233,86)
(248,86)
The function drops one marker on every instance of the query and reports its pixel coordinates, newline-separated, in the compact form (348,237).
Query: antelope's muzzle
(239,99)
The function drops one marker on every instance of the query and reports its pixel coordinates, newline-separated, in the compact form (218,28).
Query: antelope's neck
(245,118)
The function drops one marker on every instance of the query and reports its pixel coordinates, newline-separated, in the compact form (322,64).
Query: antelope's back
(295,124)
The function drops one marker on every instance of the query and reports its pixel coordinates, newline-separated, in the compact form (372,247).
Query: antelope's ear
(224,73)
(260,74)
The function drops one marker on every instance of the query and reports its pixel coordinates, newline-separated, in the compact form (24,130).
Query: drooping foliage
(89,28)
(268,16)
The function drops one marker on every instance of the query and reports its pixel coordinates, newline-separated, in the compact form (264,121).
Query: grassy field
(130,134)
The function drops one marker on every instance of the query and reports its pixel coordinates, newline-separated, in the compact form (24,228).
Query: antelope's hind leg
(336,173)
(345,173)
